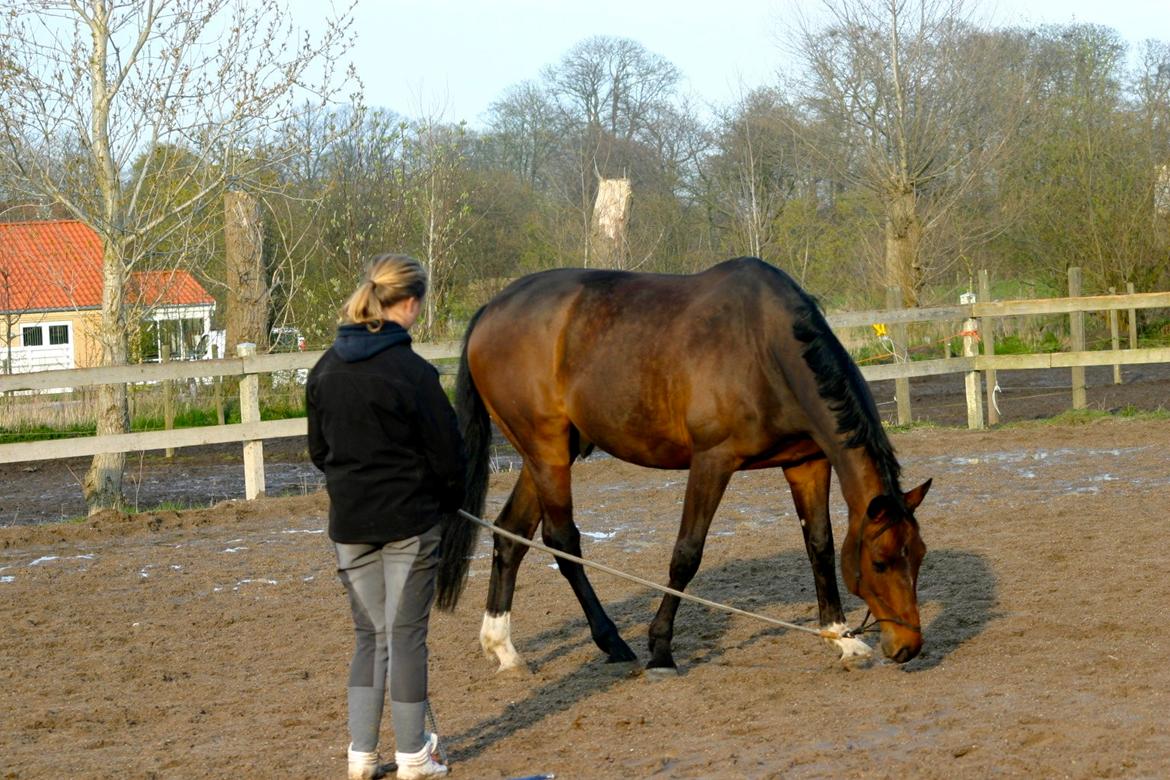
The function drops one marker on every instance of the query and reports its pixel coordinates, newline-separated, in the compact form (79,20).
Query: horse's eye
(879,567)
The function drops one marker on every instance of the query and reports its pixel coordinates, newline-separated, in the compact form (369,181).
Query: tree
(753,174)
(1084,176)
(89,85)
(437,194)
(522,136)
(897,91)
(609,94)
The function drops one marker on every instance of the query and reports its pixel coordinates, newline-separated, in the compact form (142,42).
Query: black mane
(840,383)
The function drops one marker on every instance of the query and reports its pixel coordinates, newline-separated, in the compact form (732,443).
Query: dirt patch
(213,643)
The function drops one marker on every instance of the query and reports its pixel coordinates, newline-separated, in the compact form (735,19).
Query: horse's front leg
(560,533)
(809,482)
(521,515)
(708,479)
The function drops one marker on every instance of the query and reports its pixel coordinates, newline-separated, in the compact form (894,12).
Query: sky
(451,59)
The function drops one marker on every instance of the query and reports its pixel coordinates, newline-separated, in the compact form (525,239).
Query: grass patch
(187,417)
(170,506)
(916,425)
(1014,345)
(43,432)
(1092,416)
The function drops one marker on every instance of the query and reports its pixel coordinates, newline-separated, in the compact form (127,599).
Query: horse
(729,369)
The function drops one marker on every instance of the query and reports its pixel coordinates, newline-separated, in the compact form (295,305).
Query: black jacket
(384,433)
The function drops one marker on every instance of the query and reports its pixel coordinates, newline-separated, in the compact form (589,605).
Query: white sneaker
(363,766)
(421,765)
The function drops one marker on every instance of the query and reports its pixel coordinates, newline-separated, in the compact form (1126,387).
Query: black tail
(459,534)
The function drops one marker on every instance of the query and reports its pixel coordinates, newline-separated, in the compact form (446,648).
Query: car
(286,339)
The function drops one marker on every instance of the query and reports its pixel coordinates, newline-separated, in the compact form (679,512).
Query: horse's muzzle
(900,645)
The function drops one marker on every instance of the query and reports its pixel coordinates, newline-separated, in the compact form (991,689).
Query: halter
(866,626)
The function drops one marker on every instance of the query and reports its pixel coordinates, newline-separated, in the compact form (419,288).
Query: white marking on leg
(495,637)
(850,646)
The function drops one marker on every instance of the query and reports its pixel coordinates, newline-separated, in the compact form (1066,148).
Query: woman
(384,433)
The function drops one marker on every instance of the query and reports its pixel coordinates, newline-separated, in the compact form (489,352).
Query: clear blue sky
(450,59)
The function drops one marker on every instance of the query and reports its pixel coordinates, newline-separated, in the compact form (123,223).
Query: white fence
(970,319)
(251,432)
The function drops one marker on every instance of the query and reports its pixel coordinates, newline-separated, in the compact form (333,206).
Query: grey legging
(391,588)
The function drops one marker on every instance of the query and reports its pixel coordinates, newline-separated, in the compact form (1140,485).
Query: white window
(32,336)
(44,335)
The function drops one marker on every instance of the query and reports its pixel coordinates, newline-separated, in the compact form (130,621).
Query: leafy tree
(1084,174)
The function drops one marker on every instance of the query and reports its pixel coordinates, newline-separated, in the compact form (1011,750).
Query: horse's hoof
(661,672)
(622,656)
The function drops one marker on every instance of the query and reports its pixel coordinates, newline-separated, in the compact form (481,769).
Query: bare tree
(753,174)
(523,134)
(89,85)
(898,88)
(609,94)
(437,190)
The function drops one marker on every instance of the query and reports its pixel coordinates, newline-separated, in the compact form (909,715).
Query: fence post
(218,388)
(971,381)
(986,331)
(901,351)
(168,388)
(250,412)
(1133,344)
(1077,334)
(1114,338)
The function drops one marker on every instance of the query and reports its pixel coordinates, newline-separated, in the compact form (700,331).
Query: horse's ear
(880,505)
(914,497)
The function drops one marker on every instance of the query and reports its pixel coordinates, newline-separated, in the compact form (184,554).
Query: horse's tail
(459,534)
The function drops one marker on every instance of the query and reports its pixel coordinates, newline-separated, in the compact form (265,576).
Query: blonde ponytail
(388,280)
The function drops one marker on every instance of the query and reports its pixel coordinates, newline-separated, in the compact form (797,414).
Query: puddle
(1044,469)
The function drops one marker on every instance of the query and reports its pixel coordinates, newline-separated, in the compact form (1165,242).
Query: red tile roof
(166,288)
(49,265)
(57,265)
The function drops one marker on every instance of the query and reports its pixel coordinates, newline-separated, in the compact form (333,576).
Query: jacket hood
(356,342)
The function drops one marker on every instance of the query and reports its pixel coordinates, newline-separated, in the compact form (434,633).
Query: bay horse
(729,369)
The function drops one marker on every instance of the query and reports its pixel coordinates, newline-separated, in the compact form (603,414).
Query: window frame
(45,329)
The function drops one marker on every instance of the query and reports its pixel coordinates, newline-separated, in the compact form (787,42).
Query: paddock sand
(213,643)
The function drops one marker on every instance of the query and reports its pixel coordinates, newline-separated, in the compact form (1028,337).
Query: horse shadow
(958,583)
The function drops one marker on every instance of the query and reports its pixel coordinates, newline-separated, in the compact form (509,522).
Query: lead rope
(823,633)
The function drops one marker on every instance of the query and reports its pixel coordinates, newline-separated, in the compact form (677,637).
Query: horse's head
(880,560)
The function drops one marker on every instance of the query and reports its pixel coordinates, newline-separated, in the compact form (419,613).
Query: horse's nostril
(904,655)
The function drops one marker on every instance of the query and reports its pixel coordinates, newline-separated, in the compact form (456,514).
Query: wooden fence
(971,320)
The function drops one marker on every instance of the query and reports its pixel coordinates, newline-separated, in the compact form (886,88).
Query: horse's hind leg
(521,515)
(560,533)
(705,485)
(809,482)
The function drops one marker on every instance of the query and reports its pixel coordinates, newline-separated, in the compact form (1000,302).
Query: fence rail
(975,317)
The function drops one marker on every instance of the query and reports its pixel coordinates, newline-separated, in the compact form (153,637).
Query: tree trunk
(247,299)
(103,482)
(611,216)
(903,239)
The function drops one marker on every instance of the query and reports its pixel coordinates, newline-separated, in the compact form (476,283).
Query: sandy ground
(213,643)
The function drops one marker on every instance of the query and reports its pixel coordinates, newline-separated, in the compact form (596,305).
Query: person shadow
(959,585)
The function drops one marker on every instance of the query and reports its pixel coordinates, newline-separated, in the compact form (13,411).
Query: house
(51,296)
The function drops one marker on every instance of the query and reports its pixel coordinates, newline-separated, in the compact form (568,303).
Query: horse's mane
(841,385)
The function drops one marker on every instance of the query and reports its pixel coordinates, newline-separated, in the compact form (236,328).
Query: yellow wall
(86,349)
